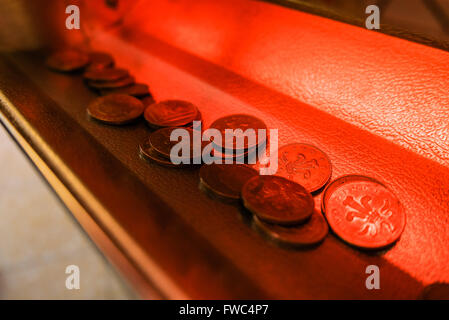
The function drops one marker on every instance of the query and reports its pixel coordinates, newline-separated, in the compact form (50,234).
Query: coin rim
(264,227)
(219,193)
(103,79)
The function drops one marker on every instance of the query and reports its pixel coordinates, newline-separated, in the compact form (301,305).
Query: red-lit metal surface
(376,105)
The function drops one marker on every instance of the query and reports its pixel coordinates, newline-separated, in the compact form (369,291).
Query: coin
(305,235)
(147,100)
(67,60)
(115,109)
(363,212)
(304,164)
(107,74)
(126,81)
(160,141)
(277,200)
(170,113)
(136,90)
(436,291)
(148,153)
(100,60)
(234,122)
(226,180)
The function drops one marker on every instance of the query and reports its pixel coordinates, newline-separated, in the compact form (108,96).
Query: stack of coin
(115,109)
(228,147)
(225,181)
(158,148)
(284,211)
(363,212)
(171,113)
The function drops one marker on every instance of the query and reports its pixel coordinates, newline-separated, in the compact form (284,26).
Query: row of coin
(359,209)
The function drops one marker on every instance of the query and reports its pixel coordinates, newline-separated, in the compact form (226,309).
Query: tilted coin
(107,74)
(305,235)
(226,180)
(135,89)
(148,153)
(67,60)
(126,81)
(100,60)
(115,109)
(363,212)
(436,291)
(147,100)
(160,141)
(238,121)
(170,113)
(304,164)
(277,200)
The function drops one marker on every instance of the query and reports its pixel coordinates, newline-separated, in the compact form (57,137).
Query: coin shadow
(109,125)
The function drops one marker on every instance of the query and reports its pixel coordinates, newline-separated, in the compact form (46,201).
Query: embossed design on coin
(238,121)
(170,113)
(115,109)
(304,164)
(67,60)
(305,235)
(363,212)
(226,180)
(277,200)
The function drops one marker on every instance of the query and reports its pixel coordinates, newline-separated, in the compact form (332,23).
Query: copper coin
(170,113)
(436,291)
(236,156)
(115,109)
(136,90)
(107,74)
(277,200)
(304,164)
(100,60)
(226,180)
(160,141)
(148,153)
(147,100)
(67,60)
(235,122)
(363,212)
(126,81)
(305,235)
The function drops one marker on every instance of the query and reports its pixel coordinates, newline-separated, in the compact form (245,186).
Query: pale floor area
(39,239)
